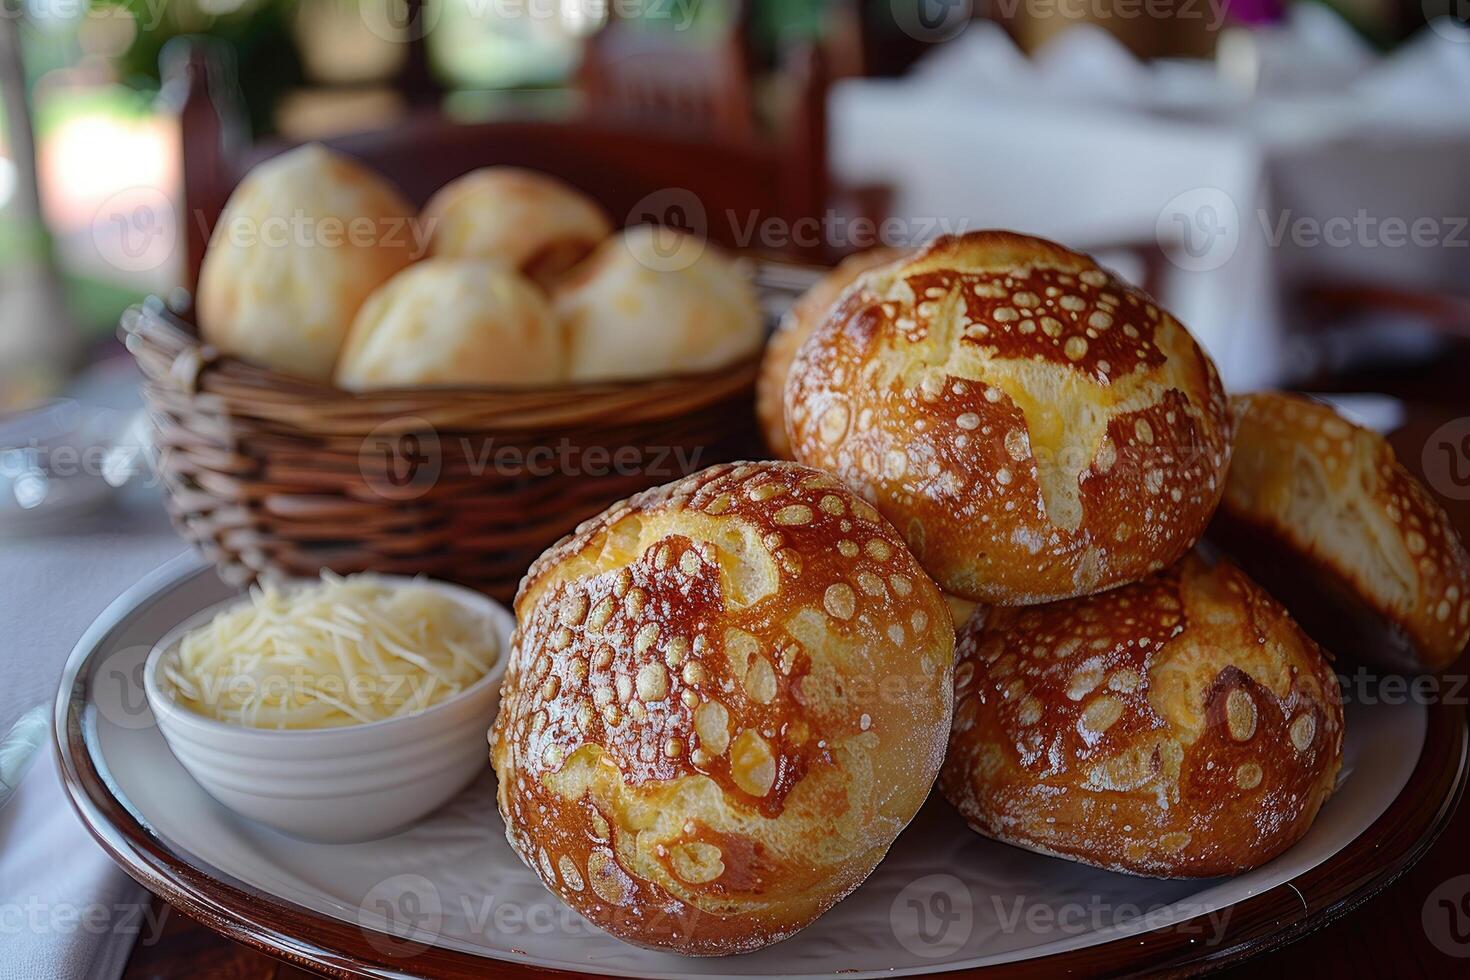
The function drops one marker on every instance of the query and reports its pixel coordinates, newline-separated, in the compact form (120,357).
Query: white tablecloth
(1084,144)
(66,911)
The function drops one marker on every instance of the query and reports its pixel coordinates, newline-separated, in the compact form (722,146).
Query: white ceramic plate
(943,899)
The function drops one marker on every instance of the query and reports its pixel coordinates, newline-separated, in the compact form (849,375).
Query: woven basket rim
(175,361)
(154,313)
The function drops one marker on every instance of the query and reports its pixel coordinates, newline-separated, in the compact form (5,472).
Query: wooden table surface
(1390,935)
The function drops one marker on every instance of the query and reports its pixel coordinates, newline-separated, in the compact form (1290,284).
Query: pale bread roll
(528,220)
(453,322)
(726,697)
(302,242)
(653,302)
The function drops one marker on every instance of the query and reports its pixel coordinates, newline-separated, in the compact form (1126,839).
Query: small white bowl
(337,785)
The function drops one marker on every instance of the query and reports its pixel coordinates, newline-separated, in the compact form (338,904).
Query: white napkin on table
(1083,143)
(66,910)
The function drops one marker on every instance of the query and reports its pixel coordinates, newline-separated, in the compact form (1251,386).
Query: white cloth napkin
(1248,161)
(66,911)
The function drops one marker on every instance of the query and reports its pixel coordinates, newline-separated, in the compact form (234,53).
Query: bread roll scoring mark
(993,386)
(711,733)
(1182,725)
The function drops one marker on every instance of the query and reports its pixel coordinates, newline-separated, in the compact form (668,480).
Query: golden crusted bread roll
(726,697)
(525,219)
(453,322)
(653,302)
(1182,726)
(795,327)
(302,242)
(1324,515)
(1036,428)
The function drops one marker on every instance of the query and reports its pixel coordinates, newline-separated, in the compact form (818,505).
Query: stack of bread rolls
(728,695)
(319,268)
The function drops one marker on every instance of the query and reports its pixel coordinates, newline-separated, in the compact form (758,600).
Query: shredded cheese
(344,651)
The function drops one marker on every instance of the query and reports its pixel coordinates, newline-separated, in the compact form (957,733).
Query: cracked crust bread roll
(726,697)
(452,322)
(527,220)
(798,323)
(1035,428)
(300,245)
(653,302)
(1322,513)
(1182,726)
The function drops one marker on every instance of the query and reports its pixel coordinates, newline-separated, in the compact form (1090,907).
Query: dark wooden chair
(657,76)
(636,172)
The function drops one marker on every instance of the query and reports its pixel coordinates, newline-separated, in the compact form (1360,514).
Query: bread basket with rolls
(361,386)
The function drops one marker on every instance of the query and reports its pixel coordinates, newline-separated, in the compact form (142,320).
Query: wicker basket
(267,473)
